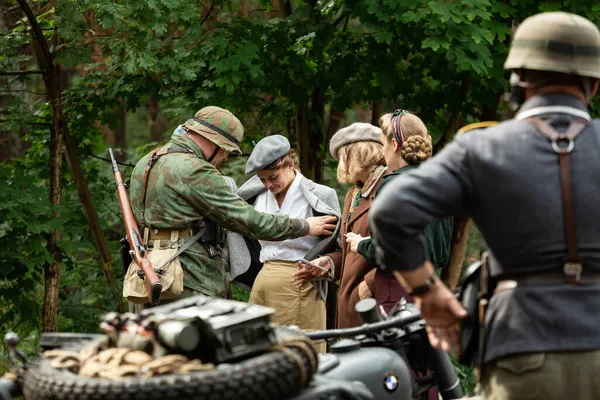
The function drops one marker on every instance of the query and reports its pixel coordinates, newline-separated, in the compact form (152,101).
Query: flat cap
(357,132)
(266,152)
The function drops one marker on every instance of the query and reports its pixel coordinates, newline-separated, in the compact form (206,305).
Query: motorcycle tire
(273,375)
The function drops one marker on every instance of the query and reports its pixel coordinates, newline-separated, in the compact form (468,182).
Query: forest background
(79,76)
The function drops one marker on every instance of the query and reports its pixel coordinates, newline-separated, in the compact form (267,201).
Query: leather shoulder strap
(563,144)
(156,154)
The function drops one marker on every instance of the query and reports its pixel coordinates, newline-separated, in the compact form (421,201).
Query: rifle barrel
(114,162)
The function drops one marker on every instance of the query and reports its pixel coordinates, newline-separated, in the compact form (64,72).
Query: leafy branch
(23,91)
(26,72)
(90,94)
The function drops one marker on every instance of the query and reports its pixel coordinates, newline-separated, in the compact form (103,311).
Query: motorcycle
(387,357)
(390,355)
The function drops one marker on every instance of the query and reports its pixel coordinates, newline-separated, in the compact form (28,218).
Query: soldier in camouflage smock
(184,191)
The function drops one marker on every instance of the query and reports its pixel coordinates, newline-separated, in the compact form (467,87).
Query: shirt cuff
(330,275)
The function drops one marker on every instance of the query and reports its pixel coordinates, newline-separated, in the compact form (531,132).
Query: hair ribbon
(396,128)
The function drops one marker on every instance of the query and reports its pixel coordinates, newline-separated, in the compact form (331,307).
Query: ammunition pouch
(164,256)
(213,236)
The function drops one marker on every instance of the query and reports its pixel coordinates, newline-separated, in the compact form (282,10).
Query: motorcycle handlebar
(394,322)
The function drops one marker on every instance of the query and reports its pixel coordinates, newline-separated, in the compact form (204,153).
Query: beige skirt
(302,306)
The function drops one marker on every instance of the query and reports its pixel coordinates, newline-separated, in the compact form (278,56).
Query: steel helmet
(219,126)
(558,42)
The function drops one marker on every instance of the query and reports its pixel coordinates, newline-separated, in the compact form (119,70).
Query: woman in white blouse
(279,188)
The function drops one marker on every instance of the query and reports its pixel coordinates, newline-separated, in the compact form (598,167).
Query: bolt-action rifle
(138,250)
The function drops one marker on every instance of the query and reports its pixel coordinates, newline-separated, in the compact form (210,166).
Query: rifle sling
(185,246)
(156,154)
(573,267)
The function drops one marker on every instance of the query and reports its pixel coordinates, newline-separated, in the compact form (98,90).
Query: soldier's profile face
(221,156)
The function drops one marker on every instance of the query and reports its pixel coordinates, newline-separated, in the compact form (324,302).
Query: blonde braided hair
(417,145)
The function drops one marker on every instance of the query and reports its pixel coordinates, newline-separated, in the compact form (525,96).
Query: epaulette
(477,125)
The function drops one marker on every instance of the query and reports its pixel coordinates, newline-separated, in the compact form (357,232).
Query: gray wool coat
(322,199)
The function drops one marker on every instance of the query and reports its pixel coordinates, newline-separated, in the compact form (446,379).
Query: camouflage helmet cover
(219,126)
(556,41)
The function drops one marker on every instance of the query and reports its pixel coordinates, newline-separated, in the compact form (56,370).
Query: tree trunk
(376,112)
(489,112)
(285,7)
(460,235)
(303,139)
(335,118)
(292,130)
(51,76)
(316,118)
(310,135)
(8,141)
(51,288)
(158,125)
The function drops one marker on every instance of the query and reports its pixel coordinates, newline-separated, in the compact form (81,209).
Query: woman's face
(389,149)
(277,180)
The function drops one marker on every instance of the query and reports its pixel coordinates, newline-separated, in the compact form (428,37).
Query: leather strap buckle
(572,271)
(563,150)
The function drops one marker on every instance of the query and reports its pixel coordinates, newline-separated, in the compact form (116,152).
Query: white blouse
(294,206)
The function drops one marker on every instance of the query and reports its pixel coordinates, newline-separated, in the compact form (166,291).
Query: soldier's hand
(442,312)
(322,226)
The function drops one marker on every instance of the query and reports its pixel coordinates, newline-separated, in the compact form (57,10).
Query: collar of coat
(186,142)
(555,103)
(253,187)
(373,178)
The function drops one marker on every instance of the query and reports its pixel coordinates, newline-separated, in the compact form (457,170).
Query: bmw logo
(390,382)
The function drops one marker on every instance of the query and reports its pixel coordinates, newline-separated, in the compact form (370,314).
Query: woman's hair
(417,146)
(289,159)
(358,157)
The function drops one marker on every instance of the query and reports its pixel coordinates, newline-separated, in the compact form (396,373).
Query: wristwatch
(421,290)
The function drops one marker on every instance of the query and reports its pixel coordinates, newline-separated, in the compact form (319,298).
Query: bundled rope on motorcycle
(121,363)
(94,373)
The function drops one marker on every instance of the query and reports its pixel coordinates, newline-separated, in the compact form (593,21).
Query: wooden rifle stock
(138,250)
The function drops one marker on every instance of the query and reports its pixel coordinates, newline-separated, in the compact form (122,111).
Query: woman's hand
(363,291)
(354,239)
(307,272)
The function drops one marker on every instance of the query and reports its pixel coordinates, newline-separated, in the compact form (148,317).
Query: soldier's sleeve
(440,187)
(205,189)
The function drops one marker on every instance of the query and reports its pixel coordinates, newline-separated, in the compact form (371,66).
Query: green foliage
(27,219)
(466,376)
(240,294)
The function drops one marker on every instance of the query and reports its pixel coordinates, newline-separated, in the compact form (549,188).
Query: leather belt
(157,234)
(546,278)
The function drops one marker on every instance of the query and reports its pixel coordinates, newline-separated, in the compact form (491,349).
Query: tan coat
(352,268)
